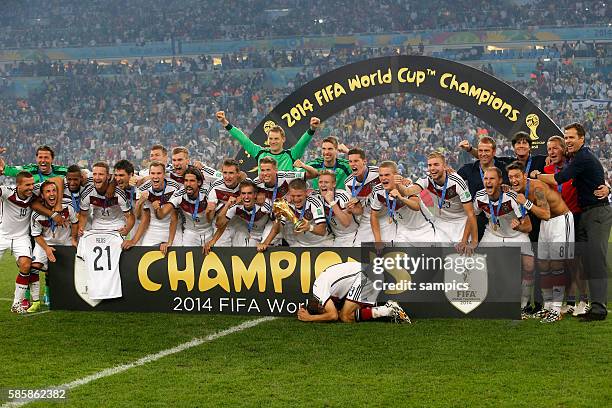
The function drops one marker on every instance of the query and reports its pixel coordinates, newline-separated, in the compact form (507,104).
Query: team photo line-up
(544,204)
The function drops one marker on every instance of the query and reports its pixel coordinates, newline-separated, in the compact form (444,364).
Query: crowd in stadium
(555,54)
(91,23)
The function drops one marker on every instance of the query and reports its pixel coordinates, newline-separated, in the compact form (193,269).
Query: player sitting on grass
(347,283)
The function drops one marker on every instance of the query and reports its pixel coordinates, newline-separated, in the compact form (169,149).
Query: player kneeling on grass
(47,233)
(347,282)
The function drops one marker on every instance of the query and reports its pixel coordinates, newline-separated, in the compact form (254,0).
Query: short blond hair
(389,164)
(328,173)
(436,155)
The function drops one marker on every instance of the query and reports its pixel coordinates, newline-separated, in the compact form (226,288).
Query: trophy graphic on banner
(280,207)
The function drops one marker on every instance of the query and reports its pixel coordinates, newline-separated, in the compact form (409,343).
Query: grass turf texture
(287,363)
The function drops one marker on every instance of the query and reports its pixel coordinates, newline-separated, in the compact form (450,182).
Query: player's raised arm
(409,196)
(247,144)
(311,172)
(298,150)
(343,216)
(162,211)
(540,208)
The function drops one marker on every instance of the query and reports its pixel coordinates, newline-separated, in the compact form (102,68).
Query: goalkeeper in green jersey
(329,160)
(276,140)
(44,168)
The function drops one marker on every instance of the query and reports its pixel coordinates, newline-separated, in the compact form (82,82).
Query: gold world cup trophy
(281,207)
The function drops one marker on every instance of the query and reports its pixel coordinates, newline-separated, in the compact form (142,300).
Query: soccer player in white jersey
(155,193)
(181,162)
(555,240)
(123,176)
(191,202)
(251,218)
(219,194)
(275,183)
(74,184)
(507,224)
(454,220)
(311,230)
(396,219)
(158,153)
(341,222)
(345,286)
(15,203)
(108,214)
(47,233)
(360,185)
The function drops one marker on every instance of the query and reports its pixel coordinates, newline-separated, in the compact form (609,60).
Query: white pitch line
(6,299)
(149,358)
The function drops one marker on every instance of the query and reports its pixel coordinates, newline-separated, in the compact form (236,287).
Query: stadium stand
(58,23)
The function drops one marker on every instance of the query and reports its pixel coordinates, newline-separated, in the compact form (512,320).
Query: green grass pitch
(434,363)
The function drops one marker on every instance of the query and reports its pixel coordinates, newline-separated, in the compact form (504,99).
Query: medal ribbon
(355,191)
(492,210)
(390,207)
(443,196)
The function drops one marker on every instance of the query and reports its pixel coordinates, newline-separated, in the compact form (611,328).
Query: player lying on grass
(346,285)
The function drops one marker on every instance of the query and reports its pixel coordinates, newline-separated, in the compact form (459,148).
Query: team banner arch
(484,96)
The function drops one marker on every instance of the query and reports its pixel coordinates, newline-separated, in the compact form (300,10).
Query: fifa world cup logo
(269,124)
(532,121)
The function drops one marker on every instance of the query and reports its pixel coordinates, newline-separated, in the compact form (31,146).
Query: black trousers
(592,243)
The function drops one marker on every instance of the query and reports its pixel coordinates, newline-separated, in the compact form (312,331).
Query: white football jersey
(53,234)
(210,175)
(457,194)
(74,198)
(170,187)
(313,212)
(194,220)
(505,212)
(336,281)
(15,213)
(260,219)
(404,216)
(339,230)
(362,190)
(220,193)
(101,251)
(283,178)
(107,213)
